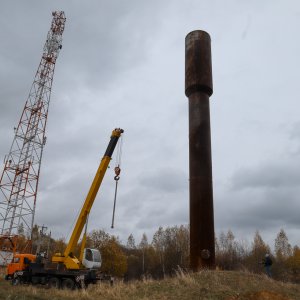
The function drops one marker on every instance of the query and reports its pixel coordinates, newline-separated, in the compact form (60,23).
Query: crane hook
(116,178)
(117,172)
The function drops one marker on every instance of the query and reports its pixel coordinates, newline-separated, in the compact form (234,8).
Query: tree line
(168,251)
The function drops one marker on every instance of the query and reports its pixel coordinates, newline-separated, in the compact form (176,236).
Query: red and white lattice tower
(20,177)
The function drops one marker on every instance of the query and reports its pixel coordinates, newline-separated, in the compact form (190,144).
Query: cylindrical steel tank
(198,89)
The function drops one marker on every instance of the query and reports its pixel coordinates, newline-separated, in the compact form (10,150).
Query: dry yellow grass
(213,285)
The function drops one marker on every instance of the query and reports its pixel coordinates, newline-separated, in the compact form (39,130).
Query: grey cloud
(295,131)
(100,49)
(250,210)
(174,214)
(261,197)
(165,180)
(277,207)
(267,176)
(264,198)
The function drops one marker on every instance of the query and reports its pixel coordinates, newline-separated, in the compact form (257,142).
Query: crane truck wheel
(68,284)
(15,281)
(53,282)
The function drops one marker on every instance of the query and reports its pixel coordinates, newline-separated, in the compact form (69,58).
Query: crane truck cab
(19,263)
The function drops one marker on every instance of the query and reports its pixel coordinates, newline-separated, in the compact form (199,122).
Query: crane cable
(117,176)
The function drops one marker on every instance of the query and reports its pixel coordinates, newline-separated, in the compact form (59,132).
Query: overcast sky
(122,65)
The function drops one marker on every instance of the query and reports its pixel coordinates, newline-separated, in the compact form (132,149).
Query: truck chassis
(56,276)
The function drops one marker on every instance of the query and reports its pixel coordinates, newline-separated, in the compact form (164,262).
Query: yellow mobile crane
(66,270)
(68,258)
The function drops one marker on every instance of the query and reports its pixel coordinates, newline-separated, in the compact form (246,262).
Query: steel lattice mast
(20,177)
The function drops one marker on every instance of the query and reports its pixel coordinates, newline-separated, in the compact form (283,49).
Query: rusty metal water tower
(198,89)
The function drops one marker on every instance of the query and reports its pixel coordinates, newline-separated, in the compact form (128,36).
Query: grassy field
(213,285)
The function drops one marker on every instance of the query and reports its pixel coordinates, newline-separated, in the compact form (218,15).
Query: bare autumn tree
(258,251)
(176,241)
(283,249)
(21,230)
(58,246)
(133,260)
(230,252)
(35,237)
(183,245)
(114,260)
(131,242)
(283,252)
(143,247)
(158,243)
(98,238)
(293,265)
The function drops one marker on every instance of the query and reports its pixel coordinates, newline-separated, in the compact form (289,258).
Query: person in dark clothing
(268,263)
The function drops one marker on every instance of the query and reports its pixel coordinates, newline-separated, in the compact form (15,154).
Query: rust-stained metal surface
(198,71)
(198,88)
